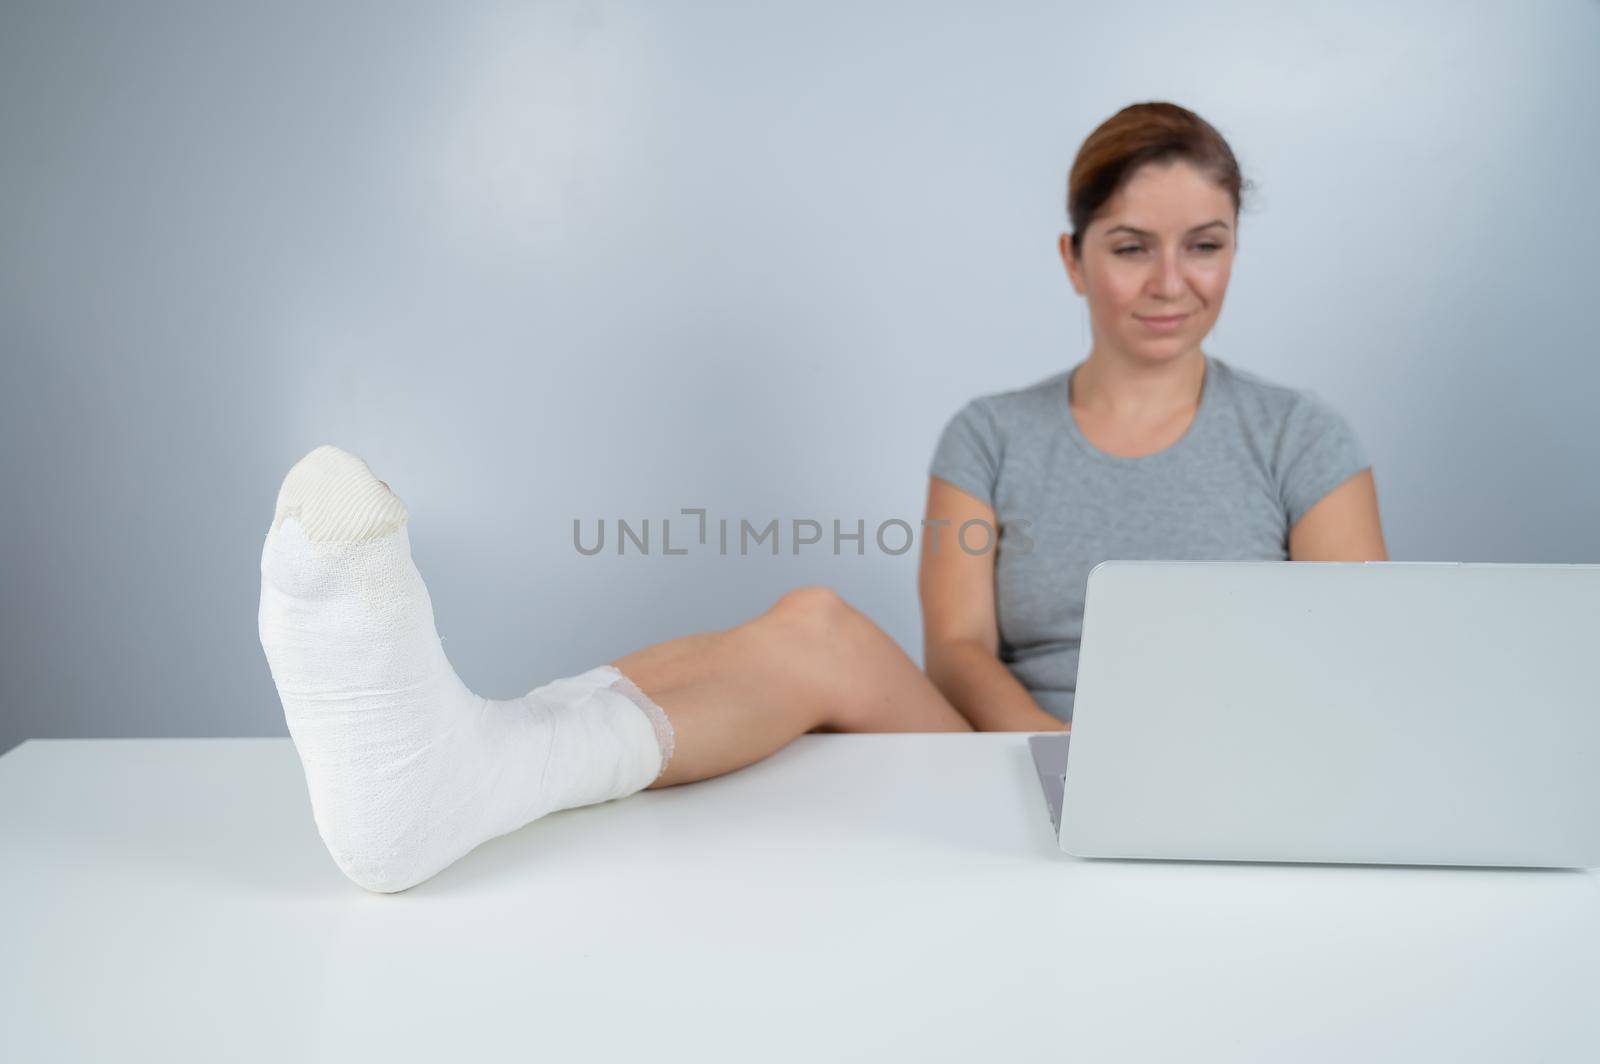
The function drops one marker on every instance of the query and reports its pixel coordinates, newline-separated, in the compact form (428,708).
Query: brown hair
(1138,134)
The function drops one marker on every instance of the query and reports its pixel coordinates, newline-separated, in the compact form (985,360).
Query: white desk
(852,898)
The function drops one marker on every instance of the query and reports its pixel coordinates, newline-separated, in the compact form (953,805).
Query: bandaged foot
(408,769)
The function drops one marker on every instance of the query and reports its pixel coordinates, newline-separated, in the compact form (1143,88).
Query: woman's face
(1151,253)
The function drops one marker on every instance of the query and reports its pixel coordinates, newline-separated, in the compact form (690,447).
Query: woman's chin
(1161,350)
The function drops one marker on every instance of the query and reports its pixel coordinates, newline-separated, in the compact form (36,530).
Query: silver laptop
(1434,713)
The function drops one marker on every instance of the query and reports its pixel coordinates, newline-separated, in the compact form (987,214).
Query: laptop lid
(1050,762)
(1388,712)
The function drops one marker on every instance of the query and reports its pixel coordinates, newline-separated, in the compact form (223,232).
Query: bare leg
(811,662)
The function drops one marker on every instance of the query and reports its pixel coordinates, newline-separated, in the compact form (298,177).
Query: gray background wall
(580,260)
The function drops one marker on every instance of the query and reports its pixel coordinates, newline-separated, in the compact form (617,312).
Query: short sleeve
(968,452)
(1318,452)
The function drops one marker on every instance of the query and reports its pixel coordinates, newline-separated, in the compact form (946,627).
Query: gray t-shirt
(1256,456)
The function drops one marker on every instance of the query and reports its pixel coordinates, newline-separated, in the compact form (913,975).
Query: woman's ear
(1069,260)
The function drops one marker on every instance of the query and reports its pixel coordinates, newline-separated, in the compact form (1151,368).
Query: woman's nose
(1168,280)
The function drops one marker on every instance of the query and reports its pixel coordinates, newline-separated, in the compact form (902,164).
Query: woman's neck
(1126,389)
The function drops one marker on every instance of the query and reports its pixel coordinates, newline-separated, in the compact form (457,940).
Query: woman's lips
(1163,324)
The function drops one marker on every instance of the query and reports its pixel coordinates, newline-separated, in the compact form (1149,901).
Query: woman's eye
(1207,247)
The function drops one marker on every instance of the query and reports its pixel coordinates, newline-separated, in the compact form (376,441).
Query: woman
(1147,449)
(1177,455)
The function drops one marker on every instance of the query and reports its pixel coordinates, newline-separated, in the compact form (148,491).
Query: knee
(816,635)
(816,605)
(815,621)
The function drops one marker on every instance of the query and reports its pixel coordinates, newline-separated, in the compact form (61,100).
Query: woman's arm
(961,639)
(1342,527)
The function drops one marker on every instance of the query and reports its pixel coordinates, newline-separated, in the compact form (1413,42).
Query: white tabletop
(855,897)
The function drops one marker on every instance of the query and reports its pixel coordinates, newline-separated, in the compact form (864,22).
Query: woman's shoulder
(1268,403)
(1008,405)
(1307,444)
(975,441)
